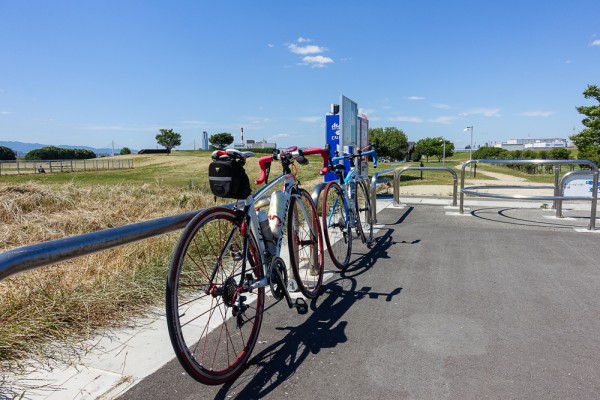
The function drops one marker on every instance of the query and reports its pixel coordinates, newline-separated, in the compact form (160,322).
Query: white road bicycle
(223,262)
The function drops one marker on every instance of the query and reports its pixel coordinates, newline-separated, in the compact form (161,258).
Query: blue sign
(332,138)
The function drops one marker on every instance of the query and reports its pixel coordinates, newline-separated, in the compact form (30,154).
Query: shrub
(7,153)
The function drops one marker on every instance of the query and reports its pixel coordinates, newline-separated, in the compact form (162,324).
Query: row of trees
(390,142)
(59,153)
(170,139)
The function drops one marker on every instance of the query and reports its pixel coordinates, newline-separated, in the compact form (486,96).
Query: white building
(533,144)
(252,144)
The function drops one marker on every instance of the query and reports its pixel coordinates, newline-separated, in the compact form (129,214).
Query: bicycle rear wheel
(338,236)
(213,319)
(363,210)
(305,244)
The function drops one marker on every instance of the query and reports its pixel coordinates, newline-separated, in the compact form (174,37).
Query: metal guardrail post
(556,189)
(462,187)
(374,192)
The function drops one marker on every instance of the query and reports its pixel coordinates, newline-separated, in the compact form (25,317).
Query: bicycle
(224,260)
(346,206)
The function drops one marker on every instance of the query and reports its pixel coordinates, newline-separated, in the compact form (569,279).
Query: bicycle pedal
(301,305)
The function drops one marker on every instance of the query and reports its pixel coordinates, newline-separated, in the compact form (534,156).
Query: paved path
(500,302)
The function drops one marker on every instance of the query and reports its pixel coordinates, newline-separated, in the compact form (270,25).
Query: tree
(434,147)
(588,140)
(168,139)
(489,152)
(7,153)
(221,140)
(59,153)
(425,147)
(125,150)
(390,142)
(559,153)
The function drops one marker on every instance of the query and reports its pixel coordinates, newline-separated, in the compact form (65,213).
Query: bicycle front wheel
(338,236)
(305,244)
(213,318)
(363,211)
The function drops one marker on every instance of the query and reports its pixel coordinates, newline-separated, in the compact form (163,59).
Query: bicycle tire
(305,244)
(212,329)
(363,210)
(335,221)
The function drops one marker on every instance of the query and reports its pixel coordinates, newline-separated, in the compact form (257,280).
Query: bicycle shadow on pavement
(323,329)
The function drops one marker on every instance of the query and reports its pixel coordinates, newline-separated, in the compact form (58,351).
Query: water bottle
(276,210)
(263,221)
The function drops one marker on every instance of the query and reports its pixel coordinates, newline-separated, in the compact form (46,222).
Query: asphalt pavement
(501,302)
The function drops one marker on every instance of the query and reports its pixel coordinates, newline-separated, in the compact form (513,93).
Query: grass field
(73,300)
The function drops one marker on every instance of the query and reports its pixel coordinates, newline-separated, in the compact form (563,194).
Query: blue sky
(92,72)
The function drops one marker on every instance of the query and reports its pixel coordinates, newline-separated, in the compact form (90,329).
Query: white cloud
(443,120)
(271,45)
(486,112)
(5,112)
(310,119)
(595,43)
(406,119)
(303,40)
(543,114)
(441,106)
(303,50)
(416,98)
(365,111)
(317,61)
(280,135)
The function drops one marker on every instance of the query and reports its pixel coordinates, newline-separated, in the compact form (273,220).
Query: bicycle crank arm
(299,304)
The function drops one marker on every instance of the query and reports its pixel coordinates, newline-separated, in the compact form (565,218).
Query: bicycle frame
(348,185)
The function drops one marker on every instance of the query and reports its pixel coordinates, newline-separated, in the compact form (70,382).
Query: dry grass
(42,310)
(75,298)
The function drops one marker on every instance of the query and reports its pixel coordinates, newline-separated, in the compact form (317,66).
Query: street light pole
(470,128)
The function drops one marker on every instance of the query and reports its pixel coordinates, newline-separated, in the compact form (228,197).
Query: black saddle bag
(228,179)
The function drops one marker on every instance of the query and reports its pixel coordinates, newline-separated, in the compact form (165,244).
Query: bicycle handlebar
(371,153)
(287,154)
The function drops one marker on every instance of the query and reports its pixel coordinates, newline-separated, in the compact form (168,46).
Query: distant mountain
(23,148)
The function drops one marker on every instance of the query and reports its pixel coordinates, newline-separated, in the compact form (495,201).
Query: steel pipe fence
(19,167)
(558,196)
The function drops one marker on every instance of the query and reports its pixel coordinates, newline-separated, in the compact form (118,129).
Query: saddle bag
(228,179)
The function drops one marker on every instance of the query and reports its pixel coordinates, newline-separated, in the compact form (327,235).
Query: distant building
(252,144)
(533,144)
(205,141)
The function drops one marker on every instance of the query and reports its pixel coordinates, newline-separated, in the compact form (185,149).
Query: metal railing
(396,184)
(400,171)
(558,196)
(33,256)
(19,167)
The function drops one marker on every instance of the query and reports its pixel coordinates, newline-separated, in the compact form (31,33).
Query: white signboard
(580,185)
(348,122)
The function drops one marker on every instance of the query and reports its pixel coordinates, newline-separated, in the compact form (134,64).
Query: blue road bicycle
(346,210)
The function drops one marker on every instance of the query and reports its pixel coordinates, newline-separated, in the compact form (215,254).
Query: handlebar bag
(228,179)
